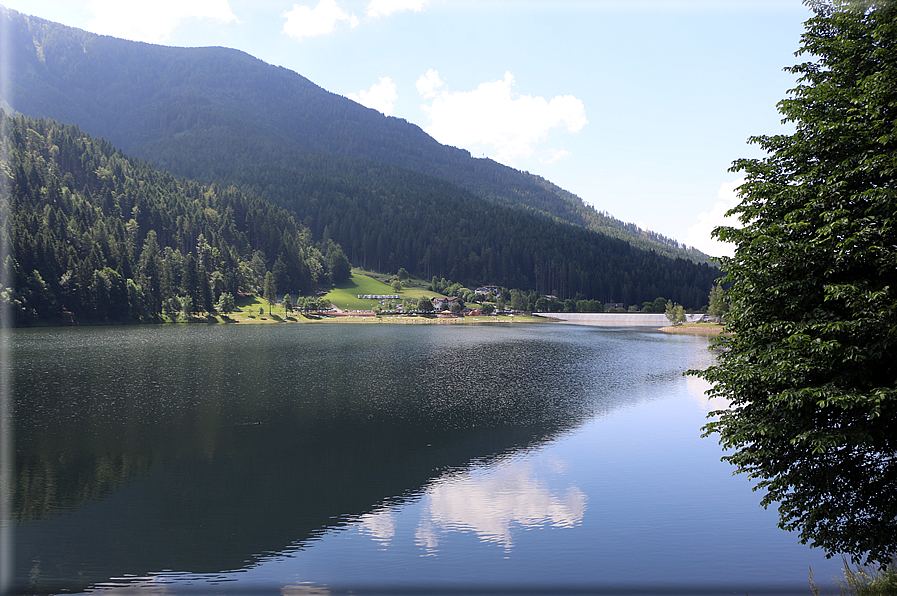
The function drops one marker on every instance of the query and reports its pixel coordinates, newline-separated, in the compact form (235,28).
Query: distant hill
(379,186)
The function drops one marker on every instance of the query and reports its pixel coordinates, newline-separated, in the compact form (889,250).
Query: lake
(328,458)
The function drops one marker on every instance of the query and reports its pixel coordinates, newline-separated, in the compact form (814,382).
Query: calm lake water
(312,459)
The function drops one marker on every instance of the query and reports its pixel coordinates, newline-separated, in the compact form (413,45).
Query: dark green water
(377,457)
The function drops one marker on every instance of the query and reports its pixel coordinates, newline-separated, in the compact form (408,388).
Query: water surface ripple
(313,458)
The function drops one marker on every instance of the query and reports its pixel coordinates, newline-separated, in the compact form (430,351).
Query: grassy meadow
(345,297)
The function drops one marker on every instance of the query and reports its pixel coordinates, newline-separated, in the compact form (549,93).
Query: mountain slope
(220,116)
(99,236)
(172,106)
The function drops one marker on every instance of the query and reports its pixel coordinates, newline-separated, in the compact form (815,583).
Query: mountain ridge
(322,122)
(345,172)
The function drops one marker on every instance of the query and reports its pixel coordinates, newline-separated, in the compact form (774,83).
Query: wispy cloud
(305,21)
(381,96)
(553,155)
(697,6)
(699,234)
(496,120)
(153,22)
(382,8)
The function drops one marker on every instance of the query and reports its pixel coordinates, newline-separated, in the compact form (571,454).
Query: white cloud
(304,21)
(382,8)
(381,96)
(428,84)
(553,155)
(699,234)
(495,120)
(153,22)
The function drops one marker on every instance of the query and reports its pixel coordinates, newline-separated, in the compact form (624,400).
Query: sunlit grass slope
(346,295)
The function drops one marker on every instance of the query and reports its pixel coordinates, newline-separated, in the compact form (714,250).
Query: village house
(494,290)
(444,303)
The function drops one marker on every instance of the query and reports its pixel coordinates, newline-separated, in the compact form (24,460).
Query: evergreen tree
(270,294)
(226,303)
(190,282)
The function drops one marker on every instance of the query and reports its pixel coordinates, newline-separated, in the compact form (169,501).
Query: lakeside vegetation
(808,368)
(862,581)
(349,308)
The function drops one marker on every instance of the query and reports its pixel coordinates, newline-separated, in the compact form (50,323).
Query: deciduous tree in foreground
(811,365)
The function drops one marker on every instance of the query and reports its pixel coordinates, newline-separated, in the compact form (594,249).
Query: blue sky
(637,106)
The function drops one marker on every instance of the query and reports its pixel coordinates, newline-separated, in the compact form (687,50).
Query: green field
(345,297)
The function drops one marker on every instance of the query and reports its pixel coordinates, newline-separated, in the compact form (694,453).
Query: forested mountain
(175,106)
(96,235)
(440,230)
(99,235)
(380,187)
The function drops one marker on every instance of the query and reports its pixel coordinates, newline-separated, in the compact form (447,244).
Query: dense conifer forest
(96,235)
(439,230)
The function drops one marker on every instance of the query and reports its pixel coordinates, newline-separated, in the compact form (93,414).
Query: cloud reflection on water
(489,501)
(697,389)
(492,503)
(380,525)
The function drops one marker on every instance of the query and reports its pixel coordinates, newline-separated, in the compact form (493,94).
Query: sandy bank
(694,329)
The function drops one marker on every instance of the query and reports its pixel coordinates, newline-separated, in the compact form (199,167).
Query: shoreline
(297,319)
(694,329)
(247,318)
